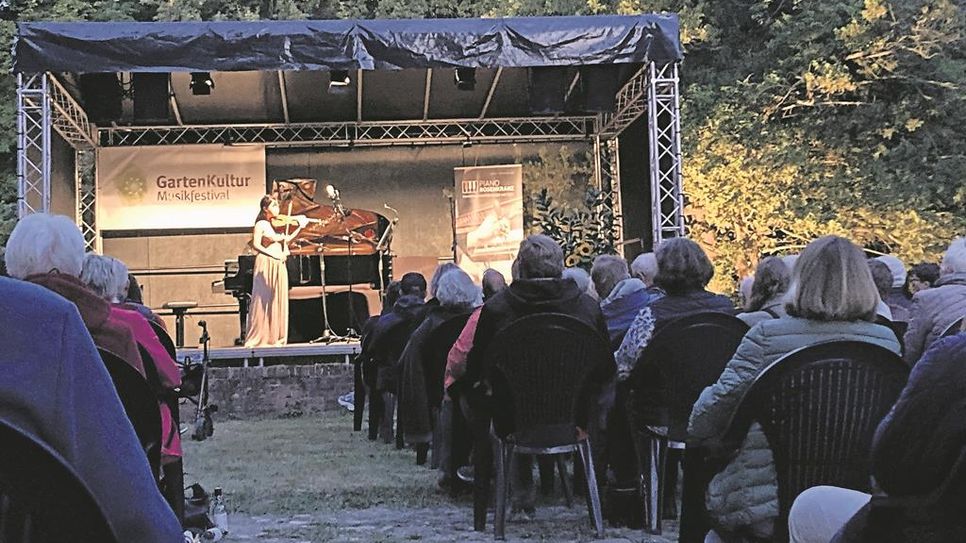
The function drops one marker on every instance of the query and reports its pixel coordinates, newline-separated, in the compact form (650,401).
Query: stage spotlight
(465,78)
(201,83)
(339,78)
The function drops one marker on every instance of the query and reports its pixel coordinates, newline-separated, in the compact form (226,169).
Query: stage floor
(256,356)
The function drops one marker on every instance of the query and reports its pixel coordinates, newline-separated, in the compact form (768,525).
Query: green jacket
(745,493)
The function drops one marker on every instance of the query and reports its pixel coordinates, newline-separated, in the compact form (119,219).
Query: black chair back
(898,328)
(165,340)
(953,328)
(539,365)
(684,356)
(140,404)
(819,407)
(42,500)
(438,345)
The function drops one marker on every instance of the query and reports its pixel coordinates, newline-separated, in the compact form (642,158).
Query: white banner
(489,217)
(179,186)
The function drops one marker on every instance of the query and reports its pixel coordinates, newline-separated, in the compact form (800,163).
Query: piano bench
(179,309)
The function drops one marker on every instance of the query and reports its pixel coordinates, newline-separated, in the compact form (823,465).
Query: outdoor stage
(298,353)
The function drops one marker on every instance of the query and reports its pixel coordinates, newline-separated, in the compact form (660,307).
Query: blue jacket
(54,385)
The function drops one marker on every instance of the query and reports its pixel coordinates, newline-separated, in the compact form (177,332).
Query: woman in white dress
(268,312)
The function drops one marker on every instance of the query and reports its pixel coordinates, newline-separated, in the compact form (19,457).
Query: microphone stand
(328,335)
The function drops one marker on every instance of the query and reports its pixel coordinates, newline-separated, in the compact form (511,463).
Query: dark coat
(55,387)
(421,364)
(526,297)
(913,453)
(389,337)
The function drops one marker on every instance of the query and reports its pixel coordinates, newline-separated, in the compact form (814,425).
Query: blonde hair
(832,282)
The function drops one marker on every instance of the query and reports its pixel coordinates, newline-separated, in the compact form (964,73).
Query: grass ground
(312,479)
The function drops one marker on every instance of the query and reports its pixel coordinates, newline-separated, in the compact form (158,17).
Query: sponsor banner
(489,217)
(179,186)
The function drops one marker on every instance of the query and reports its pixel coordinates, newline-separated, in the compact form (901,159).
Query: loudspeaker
(150,97)
(599,84)
(548,87)
(101,94)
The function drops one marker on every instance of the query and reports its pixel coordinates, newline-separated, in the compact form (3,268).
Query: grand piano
(351,245)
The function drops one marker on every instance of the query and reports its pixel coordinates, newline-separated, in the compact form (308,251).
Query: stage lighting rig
(201,83)
(338,80)
(465,78)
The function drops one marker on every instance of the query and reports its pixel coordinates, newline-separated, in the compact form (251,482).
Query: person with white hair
(934,310)
(582,278)
(423,361)
(55,388)
(48,250)
(644,267)
(108,277)
(896,297)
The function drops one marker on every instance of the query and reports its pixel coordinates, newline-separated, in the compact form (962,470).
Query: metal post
(664,147)
(33,144)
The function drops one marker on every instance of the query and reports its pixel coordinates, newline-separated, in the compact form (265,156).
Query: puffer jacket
(745,493)
(933,310)
(773,309)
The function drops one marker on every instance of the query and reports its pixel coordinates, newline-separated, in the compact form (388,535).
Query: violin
(291,221)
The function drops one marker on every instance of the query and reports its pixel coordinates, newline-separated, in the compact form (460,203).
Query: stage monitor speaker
(151,98)
(599,83)
(548,88)
(101,94)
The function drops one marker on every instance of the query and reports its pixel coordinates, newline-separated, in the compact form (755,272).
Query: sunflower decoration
(581,233)
(571,260)
(584,249)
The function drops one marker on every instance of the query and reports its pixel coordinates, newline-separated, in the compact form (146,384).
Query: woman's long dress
(268,310)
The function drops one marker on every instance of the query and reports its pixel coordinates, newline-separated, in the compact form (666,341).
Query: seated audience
(493,282)
(48,250)
(767,297)
(438,274)
(538,287)
(744,290)
(457,295)
(108,278)
(896,298)
(683,273)
(913,453)
(582,278)
(922,276)
(935,309)
(621,295)
(131,299)
(55,387)
(644,267)
(831,298)
(882,278)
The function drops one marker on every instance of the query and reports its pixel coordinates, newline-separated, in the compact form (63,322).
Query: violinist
(268,319)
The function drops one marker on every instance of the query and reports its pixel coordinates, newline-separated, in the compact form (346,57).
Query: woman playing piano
(268,319)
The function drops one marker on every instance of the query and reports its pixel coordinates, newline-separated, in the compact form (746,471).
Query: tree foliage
(799,118)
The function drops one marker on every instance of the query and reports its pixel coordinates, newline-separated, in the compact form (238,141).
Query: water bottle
(218,512)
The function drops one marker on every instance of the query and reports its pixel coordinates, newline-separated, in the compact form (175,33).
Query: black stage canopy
(342,45)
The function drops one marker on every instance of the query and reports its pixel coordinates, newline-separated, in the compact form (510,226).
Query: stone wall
(277,391)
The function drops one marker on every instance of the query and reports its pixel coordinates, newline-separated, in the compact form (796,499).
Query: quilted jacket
(744,494)
(932,311)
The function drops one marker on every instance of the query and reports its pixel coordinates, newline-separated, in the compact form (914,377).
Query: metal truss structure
(360,133)
(43,104)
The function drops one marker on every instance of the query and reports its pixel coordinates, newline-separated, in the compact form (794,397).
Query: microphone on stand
(333,194)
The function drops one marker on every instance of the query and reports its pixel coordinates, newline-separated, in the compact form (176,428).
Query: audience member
(744,290)
(935,309)
(108,277)
(457,295)
(831,297)
(766,299)
(438,274)
(896,298)
(921,277)
(538,287)
(913,453)
(622,296)
(49,250)
(790,260)
(582,278)
(56,388)
(131,299)
(644,267)
(882,278)
(683,273)
(493,282)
